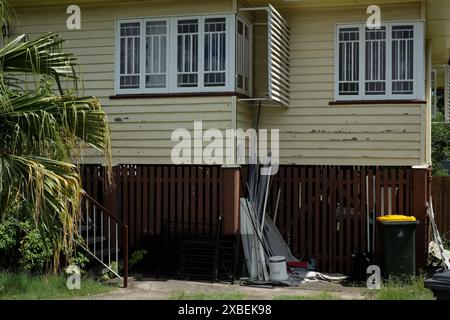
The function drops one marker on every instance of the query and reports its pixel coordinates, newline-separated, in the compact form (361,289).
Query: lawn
(395,289)
(21,286)
(392,289)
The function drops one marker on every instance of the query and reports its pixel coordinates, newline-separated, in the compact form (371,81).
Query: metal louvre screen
(278,57)
(447,94)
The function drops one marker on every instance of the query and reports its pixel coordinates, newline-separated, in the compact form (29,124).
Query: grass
(318,296)
(396,289)
(208,296)
(21,286)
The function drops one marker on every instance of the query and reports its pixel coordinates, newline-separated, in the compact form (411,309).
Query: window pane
(348,61)
(187,53)
(156,52)
(243,56)
(215,52)
(375,64)
(130,55)
(403,59)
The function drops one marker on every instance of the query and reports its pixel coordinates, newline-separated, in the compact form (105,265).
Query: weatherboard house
(351,105)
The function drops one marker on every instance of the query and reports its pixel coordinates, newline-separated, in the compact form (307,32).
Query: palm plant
(41,131)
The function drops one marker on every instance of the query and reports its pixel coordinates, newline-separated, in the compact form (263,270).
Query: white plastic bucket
(278,268)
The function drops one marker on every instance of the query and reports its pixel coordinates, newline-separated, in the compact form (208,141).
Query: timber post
(420,198)
(230,197)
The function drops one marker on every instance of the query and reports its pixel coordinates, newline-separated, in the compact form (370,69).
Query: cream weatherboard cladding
(314,132)
(141,128)
(311,131)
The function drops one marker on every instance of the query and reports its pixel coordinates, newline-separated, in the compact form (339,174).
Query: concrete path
(148,289)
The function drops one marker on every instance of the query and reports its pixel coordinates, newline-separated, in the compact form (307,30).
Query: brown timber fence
(440,192)
(324,212)
(327,212)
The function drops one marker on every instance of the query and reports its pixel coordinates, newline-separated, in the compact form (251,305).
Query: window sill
(174,95)
(353,102)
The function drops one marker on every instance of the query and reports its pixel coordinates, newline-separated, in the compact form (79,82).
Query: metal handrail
(118,223)
(106,210)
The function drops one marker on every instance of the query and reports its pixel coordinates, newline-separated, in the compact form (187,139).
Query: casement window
(243,56)
(176,54)
(130,35)
(379,64)
(156,50)
(215,52)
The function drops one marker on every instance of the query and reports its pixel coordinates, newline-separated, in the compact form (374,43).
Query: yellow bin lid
(395,218)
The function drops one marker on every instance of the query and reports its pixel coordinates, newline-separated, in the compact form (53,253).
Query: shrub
(440,145)
(79,260)
(22,246)
(35,252)
(10,234)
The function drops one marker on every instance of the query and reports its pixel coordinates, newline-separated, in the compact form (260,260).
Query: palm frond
(42,56)
(53,187)
(56,123)
(7,15)
(39,131)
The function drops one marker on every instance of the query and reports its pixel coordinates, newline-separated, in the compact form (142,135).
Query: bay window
(176,54)
(379,64)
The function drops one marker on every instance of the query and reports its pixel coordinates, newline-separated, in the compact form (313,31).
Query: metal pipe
(95,232)
(125,256)
(101,234)
(276,206)
(117,247)
(109,242)
(87,227)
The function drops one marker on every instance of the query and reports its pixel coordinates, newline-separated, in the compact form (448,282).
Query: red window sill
(351,102)
(174,95)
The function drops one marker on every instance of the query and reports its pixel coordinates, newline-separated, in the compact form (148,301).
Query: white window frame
(171,79)
(143,57)
(434,96)
(419,63)
(117,60)
(249,25)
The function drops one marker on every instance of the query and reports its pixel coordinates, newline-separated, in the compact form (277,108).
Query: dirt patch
(150,289)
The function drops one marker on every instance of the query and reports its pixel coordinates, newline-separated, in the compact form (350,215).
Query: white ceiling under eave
(438,30)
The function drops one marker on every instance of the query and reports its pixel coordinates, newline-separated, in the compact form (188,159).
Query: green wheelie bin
(398,244)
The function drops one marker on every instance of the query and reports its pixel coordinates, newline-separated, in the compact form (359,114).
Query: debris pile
(438,256)
(262,240)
